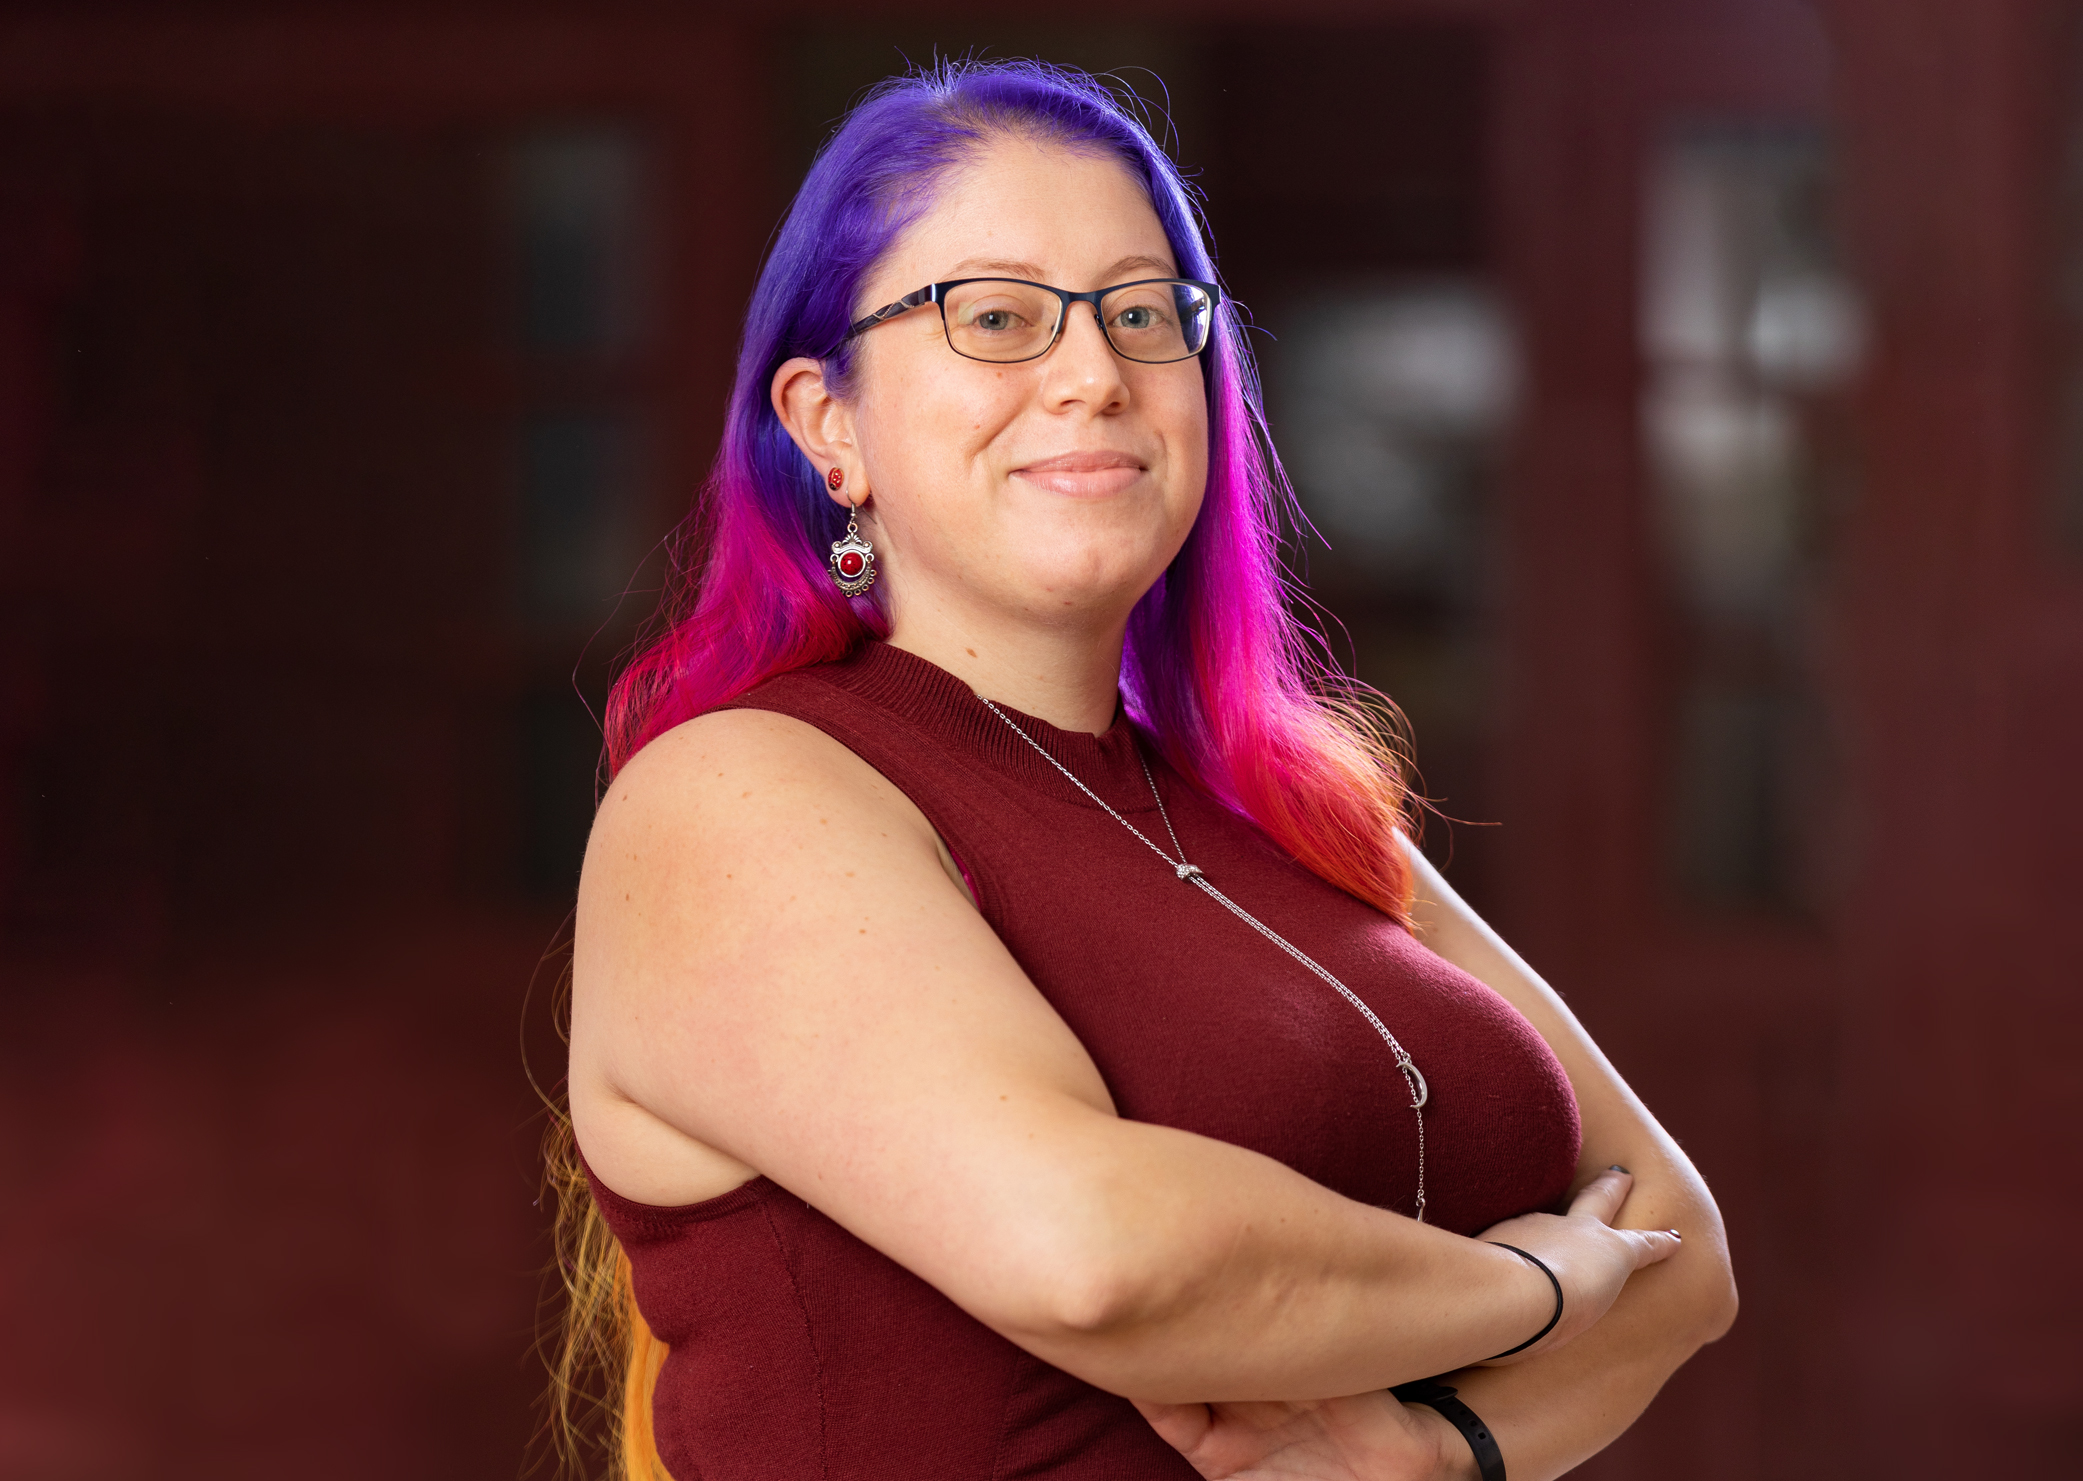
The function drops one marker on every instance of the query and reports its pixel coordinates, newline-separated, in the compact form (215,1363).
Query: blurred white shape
(1440,357)
(1390,396)
(1366,486)
(1748,324)
(1744,314)
(1692,282)
(1807,332)
(1728,466)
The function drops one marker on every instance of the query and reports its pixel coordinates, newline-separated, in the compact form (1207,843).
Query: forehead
(1030,210)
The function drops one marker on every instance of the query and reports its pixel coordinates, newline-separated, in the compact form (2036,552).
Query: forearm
(1237,1278)
(1553,1412)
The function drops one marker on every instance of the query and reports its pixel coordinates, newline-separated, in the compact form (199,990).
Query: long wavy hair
(1219,670)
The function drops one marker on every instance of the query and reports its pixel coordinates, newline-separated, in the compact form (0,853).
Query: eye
(1140,316)
(998,314)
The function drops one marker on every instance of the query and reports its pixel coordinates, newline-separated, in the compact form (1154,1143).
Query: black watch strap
(1489,1460)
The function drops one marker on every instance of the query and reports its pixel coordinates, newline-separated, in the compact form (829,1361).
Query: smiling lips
(1083,475)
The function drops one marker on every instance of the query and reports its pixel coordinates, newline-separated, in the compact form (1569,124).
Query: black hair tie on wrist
(1489,1460)
(1540,1265)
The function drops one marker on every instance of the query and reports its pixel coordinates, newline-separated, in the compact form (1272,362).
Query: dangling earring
(853,559)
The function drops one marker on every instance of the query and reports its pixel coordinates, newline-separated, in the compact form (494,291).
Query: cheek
(1186,424)
(929,418)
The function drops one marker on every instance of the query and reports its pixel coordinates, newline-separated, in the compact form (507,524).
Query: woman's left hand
(1368,1437)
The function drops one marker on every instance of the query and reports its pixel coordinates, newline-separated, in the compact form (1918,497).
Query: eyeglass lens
(998,319)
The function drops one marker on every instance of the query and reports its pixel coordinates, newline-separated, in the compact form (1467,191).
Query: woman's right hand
(1591,1258)
(1367,1437)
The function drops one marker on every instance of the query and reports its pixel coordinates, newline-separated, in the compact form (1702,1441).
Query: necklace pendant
(1188,871)
(1420,1092)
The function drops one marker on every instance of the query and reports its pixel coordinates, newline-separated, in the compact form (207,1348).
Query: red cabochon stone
(850,563)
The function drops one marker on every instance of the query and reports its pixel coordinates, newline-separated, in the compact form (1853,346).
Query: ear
(821,425)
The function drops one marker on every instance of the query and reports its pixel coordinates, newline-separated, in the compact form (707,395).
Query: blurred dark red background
(1690,393)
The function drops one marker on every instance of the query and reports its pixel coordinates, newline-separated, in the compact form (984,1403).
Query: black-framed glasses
(1153,321)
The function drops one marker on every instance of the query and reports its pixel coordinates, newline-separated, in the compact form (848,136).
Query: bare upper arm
(773,963)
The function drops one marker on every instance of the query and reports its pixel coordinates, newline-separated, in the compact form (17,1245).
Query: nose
(1082,366)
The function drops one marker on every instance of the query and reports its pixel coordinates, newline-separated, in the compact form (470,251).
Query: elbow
(1714,1302)
(1093,1295)
(1104,1322)
(1710,1305)
(1094,1261)
(1090,1285)
(1088,1305)
(1723,1308)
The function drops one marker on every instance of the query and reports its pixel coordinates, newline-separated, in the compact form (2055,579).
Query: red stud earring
(834,479)
(853,559)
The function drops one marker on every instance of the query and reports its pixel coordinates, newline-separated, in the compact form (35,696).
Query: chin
(1100,583)
(1094,546)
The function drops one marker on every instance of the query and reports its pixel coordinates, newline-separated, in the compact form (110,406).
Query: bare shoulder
(726,840)
(734,770)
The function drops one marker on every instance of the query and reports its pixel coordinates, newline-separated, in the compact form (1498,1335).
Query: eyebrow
(977,265)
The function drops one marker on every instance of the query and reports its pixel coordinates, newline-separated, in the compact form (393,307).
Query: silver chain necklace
(1420,1092)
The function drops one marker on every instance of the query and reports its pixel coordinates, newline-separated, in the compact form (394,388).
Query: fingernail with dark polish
(1616,1167)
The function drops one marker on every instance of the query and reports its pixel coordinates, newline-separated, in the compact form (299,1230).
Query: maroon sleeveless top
(797,1351)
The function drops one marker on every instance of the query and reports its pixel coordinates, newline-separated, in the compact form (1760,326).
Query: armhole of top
(957,870)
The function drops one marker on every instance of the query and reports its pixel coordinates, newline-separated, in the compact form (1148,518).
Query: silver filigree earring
(853,559)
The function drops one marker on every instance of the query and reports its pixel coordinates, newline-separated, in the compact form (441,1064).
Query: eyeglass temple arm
(903,305)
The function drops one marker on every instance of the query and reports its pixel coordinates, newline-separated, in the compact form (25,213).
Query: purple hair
(1216,668)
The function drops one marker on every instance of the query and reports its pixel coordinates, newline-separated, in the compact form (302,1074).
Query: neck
(1067,675)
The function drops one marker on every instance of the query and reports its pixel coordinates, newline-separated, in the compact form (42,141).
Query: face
(1056,490)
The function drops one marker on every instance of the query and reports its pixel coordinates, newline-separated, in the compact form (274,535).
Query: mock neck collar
(929,697)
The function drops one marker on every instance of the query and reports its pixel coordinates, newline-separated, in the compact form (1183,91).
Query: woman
(1011,1034)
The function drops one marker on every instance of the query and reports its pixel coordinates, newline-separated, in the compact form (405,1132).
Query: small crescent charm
(1420,1092)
